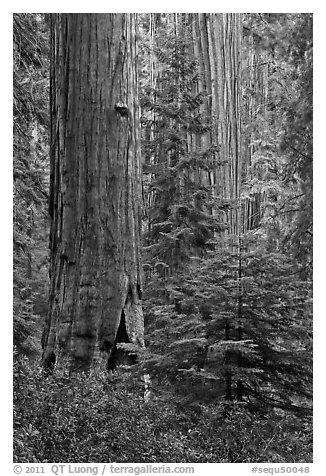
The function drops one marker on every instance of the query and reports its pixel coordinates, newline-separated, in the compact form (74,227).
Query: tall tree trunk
(217,45)
(255,100)
(224,50)
(95,270)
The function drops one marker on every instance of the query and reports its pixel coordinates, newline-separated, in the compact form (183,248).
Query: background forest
(226,139)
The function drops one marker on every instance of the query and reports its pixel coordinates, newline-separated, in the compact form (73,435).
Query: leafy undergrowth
(90,418)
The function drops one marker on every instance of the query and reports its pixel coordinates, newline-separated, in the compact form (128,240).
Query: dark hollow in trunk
(120,356)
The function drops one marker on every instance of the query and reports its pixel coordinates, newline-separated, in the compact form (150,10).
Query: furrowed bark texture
(95,189)
(217,44)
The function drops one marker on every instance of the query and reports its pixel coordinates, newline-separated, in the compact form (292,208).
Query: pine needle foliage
(282,125)
(239,328)
(179,218)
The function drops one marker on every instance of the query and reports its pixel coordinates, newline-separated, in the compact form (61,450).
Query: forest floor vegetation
(93,418)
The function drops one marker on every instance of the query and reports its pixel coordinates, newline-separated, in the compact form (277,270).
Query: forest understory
(211,355)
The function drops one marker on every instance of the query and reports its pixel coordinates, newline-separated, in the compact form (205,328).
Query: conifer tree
(238,318)
(180,218)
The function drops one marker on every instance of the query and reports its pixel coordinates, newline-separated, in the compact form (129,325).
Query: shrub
(100,418)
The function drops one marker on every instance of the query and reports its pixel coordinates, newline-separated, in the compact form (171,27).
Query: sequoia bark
(95,190)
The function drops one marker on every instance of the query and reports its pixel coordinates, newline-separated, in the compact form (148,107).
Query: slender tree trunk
(95,295)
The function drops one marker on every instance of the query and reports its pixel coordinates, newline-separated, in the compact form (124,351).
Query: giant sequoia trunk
(95,295)
(217,45)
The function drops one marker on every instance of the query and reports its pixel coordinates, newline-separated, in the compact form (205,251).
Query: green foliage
(82,418)
(240,327)
(297,138)
(30,170)
(282,126)
(180,221)
(227,326)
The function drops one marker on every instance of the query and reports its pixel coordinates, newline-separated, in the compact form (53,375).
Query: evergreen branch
(277,403)
(296,150)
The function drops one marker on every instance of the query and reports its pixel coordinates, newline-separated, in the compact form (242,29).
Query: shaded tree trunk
(95,190)
(217,45)
(255,100)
